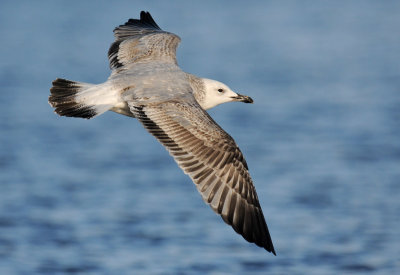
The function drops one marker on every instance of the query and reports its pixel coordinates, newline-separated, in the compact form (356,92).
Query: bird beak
(242,98)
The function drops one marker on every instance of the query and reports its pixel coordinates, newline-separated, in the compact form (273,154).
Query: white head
(217,93)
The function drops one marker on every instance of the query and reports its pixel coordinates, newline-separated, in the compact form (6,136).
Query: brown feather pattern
(213,161)
(142,39)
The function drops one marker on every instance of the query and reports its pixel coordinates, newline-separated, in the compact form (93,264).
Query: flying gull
(146,83)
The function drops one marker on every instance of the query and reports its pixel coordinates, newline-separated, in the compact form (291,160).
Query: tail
(77,99)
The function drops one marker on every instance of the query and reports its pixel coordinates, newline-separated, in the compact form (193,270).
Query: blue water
(322,141)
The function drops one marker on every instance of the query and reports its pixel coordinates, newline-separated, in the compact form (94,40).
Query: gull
(146,83)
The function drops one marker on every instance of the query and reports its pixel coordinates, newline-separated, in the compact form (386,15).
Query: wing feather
(142,40)
(213,161)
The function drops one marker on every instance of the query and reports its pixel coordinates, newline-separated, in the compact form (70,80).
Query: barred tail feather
(78,99)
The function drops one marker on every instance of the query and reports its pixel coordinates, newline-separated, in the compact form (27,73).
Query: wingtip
(270,247)
(145,17)
(144,14)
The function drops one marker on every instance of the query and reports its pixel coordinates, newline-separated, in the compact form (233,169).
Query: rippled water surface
(322,141)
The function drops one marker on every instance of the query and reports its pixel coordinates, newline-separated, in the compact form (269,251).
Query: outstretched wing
(141,40)
(212,159)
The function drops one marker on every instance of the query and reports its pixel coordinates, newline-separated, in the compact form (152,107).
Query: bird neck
(198,88)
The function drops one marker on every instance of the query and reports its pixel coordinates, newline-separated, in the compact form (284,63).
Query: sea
(102,196)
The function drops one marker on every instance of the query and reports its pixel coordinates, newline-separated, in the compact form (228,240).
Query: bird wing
(211,158)
(142,40)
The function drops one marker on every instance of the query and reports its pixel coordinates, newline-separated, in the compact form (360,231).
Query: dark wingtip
(144,14)
(145,21)
(267,242)
(145,17)
(273,251)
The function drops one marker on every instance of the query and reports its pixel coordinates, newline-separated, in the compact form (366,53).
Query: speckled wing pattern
(211,158)
(142,41)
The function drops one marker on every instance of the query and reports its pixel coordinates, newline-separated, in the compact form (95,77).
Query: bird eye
(221,90)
